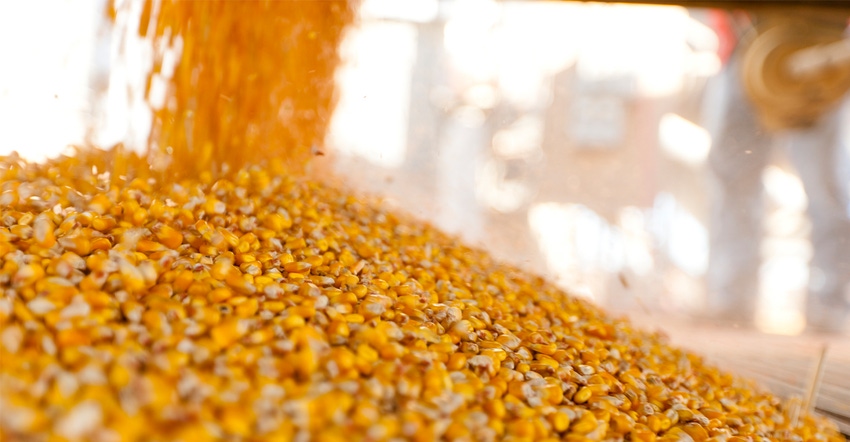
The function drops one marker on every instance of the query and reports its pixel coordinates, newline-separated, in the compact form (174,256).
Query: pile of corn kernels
(267,307)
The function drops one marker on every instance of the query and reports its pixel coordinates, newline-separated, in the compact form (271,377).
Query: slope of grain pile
(268,307)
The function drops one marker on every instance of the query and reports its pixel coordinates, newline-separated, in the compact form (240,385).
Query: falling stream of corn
(227,295)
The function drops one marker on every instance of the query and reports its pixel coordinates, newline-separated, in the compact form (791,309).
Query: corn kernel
(560,421)
(228,332)
(43,231)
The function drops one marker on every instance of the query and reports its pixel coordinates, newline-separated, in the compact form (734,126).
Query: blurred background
(576,140)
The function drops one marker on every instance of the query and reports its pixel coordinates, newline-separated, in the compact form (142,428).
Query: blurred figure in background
(739,154)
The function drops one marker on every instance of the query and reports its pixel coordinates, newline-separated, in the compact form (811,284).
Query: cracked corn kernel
(133,339)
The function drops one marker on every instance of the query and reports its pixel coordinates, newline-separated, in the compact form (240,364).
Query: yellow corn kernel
(168,236)
(207,315)
(643,435)
(183,280)
(354,318)
(277,222)
(314,261)
(274,306)
(261,336)
(367,353)
(521,428)
(103,223)
(585,424)
(622,423)
(365,414)
(228,332)
(248,308)
(305,311)
(391,351)
(696,431)
(100,203)
(338,329)
(240,284)
(295,243)
(70,337)
(553,394)
(654,423)
(220,294)
(457,361)
(676,434)
(236,421)
(293,322)
(559,421)
(27,274)
(582,395)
